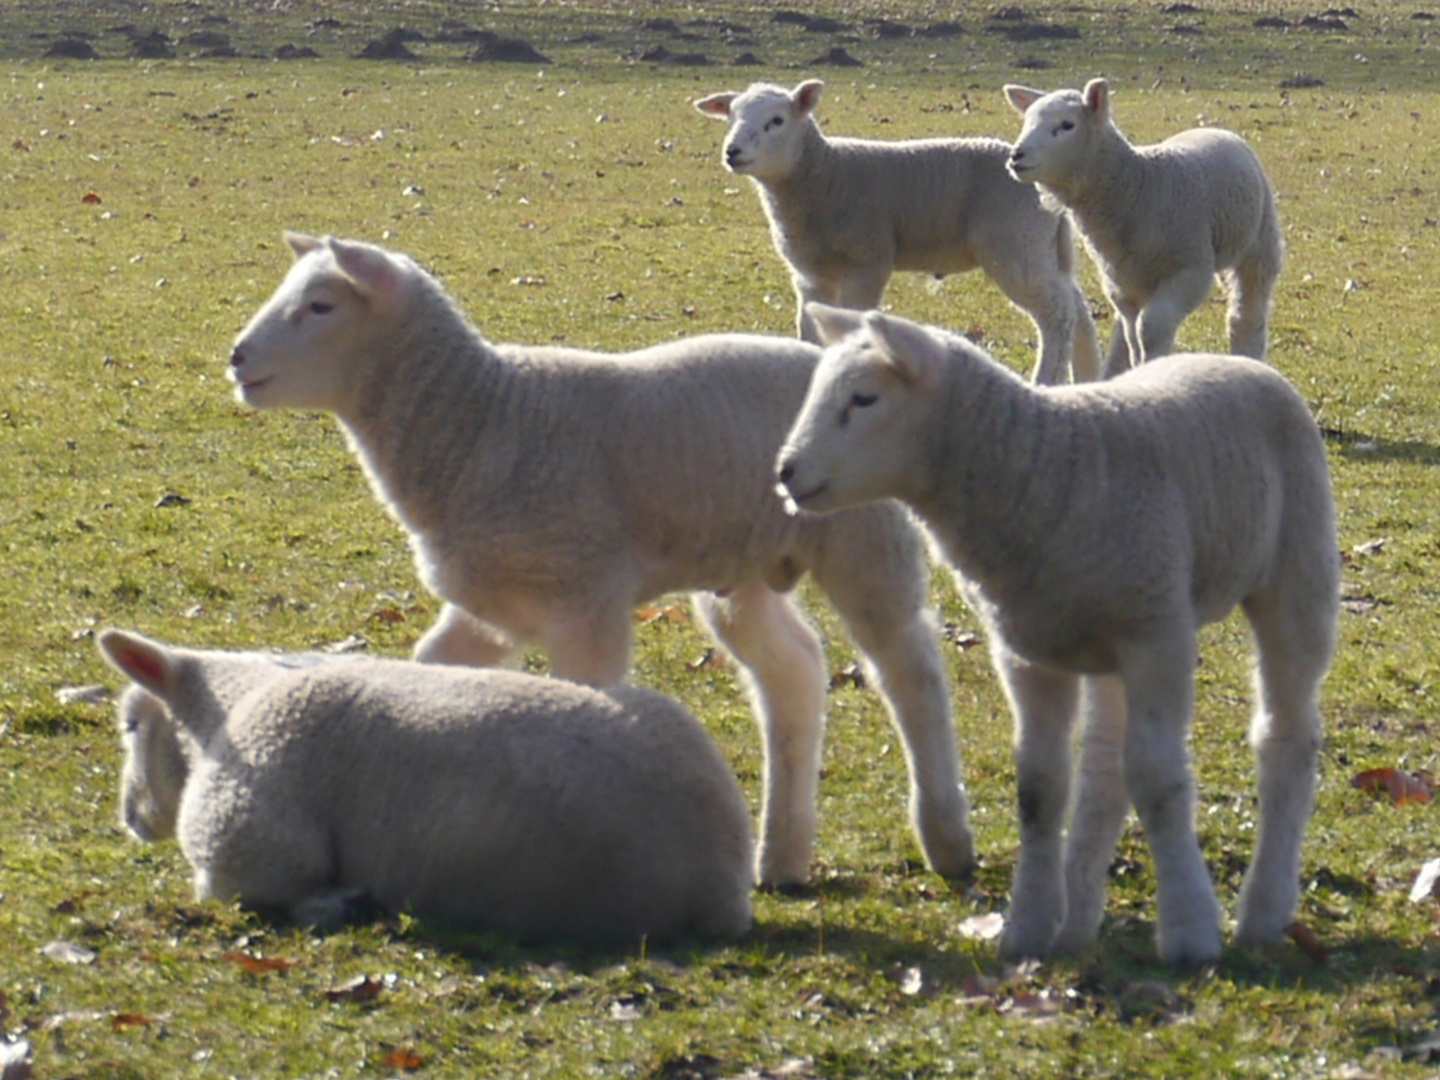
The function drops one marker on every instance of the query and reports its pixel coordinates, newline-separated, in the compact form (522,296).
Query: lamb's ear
(371,270)
(302,244)
(807,95)
(1022,97)
(1097,98)
(910,349)
(149,663)
(716,105)
(832,323)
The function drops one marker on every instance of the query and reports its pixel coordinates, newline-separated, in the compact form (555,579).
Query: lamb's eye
(320,307)
(863,401)
(1067,125)
(774,122)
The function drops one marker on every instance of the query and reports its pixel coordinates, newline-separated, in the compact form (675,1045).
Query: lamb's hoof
(781,875)
(1190,946)
(1074,941)
(1020,943)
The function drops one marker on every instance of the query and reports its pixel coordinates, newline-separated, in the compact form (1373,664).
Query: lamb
(846,213)
(485,799)
(1161,222)
(1093,529)
(547,491)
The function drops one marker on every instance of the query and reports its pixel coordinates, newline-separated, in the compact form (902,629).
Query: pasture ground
(581,200)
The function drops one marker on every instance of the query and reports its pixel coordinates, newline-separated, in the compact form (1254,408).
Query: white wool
(492,799)
(547,491)
(1094,529)
(1161,222)
(846,213)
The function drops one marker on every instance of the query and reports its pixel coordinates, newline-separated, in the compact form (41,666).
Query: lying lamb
(487,799)
(846,213)
(547,491)
(1161,221)
(1094,529)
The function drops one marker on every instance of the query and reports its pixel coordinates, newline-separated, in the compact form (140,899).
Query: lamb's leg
(807,290)
(783,669)
(1159,679)
(1061,314)
(884,607)
(860,290)
(1294,647)
(1043,702)
(459,638)
(1119,358)
(1248,290)
(591,646)
(1173,299)
(1099,811)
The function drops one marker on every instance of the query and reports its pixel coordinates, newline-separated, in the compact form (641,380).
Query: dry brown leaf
(405,1060)
(390,616)
(1399,786)
(675,613)
(91,199)
(258,965)
(712,659)
(126,1021)
(1308,941)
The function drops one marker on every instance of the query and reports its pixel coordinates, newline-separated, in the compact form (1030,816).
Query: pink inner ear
(141,664)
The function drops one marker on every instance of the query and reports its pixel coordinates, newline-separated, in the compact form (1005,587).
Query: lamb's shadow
(1358,447)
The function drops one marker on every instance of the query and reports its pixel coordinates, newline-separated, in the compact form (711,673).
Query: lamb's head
(302,347)
(859,435)
(767,127)
(155,766)
(1058,132)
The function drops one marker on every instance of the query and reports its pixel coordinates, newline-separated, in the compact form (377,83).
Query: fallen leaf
(1039,1006)
(625,1010)
(389,616)
(1308,941)
(91,199)
(850,675)
(353,643)
(1399,786)
(361,988)
(913,982)
(258,965)
(125,1021)
(406,1060)
(711,659)
(675,613)
(1371,547)
(982,927)
(1426,882)
(171,498)
(67,952)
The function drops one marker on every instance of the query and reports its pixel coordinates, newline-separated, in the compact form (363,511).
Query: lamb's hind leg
(880,588)
(1098,815)
(1159,679)
(459,638)
(1168,306)
(783,668)
(1248,291)
(1057,306)
(1294,648)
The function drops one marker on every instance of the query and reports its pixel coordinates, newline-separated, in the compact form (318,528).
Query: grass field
(582,200)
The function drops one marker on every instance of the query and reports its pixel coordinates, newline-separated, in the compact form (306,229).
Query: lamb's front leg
(1044,702)
(1099,810)
(783,668)
(1160,698)
(592,645)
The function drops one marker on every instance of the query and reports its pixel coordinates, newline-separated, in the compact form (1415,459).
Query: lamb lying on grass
(1094,529)
(487,799)
(846,213)
(547,491)
(1160,221)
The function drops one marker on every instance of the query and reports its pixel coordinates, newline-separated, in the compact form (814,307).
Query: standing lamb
(547,491)
(846,213)
(1161,222)
(1094,529)
(490,799)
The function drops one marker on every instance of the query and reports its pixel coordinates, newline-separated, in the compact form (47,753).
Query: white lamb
(489,799)
(1094,529)
(846,213)
(547,491)
(1161,222)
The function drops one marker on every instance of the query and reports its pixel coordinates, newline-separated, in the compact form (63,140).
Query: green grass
(593,181)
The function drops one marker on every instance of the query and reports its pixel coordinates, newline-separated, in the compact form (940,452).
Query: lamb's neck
(1001,464)
(423,415)
(792,198)
(1112,177)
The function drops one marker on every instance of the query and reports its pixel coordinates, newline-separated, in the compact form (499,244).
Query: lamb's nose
(1016,156)
(787,472)
(732,154)
(237,358)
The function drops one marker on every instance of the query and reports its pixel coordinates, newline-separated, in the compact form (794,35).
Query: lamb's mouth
(250,385)
(801,499)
